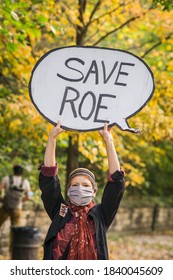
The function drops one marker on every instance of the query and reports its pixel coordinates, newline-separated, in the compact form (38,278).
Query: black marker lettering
(93,70)
(122,73)
(100,106)
(106,79)
(92,108)
(71,101)
(72,68)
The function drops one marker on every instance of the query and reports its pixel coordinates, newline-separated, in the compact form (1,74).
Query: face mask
(80,195)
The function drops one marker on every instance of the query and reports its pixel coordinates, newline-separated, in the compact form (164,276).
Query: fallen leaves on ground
(154,246)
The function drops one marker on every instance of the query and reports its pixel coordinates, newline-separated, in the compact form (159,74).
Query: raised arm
(115,186)
(113,162)
(49,156)
(48,182)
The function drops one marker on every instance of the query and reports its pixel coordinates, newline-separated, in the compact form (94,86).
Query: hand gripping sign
(85,87)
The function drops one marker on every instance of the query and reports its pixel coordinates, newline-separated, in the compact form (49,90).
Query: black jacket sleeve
(51,194)
(112,197)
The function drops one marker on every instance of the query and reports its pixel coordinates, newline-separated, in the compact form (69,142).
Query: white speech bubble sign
(85,87)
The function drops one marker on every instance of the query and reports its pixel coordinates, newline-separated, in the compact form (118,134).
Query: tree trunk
(72,150)
(72,155)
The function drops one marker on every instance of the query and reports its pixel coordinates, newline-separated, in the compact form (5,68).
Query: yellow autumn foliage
(129,25)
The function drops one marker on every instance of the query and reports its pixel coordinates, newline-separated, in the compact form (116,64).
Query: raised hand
(113,162)
(49,156)
(57,130)
(106,133)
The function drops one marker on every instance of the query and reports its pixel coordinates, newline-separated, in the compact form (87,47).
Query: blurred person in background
(16,190)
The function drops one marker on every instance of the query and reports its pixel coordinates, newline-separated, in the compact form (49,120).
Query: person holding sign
(78,228)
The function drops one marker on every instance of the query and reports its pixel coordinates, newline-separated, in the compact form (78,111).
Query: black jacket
(102,214)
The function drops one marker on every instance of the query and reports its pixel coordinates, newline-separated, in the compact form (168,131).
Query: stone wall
(143,219)
(132,220)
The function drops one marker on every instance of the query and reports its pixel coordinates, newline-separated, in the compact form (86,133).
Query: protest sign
(85,87)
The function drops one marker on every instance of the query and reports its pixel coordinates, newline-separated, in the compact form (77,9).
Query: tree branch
(136,47)
(81,30)
(156,45)
(82,6)
(108,13)
(114,30)
(90,37)
(94,10)
(91,16)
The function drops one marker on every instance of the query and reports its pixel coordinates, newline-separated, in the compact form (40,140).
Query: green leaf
(12,47)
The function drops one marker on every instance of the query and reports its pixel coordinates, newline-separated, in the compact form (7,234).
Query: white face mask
(80,195)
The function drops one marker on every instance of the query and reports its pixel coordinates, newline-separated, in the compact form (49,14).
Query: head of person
(82,187)
(18,170)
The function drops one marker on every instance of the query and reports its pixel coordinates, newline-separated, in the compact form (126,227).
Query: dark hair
(18,170)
